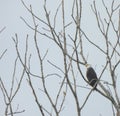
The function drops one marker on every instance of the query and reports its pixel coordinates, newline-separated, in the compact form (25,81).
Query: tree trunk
(118,113)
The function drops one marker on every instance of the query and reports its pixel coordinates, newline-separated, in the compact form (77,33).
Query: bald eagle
(91,76)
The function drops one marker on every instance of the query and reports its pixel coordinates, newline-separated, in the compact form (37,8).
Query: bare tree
(73,57)
(9,95)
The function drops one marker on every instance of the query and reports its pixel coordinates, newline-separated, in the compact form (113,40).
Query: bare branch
(2,29)
(3,54)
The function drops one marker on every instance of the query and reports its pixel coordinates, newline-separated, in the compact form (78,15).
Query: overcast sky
(10,13)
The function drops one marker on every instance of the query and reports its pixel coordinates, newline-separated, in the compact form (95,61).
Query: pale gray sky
(10,13)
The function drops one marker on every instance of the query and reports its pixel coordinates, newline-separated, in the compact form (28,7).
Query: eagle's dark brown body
(92,77)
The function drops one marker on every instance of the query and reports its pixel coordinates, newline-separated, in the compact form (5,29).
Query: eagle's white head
(87,66)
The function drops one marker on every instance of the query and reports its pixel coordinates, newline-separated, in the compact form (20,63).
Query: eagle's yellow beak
(87,65)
